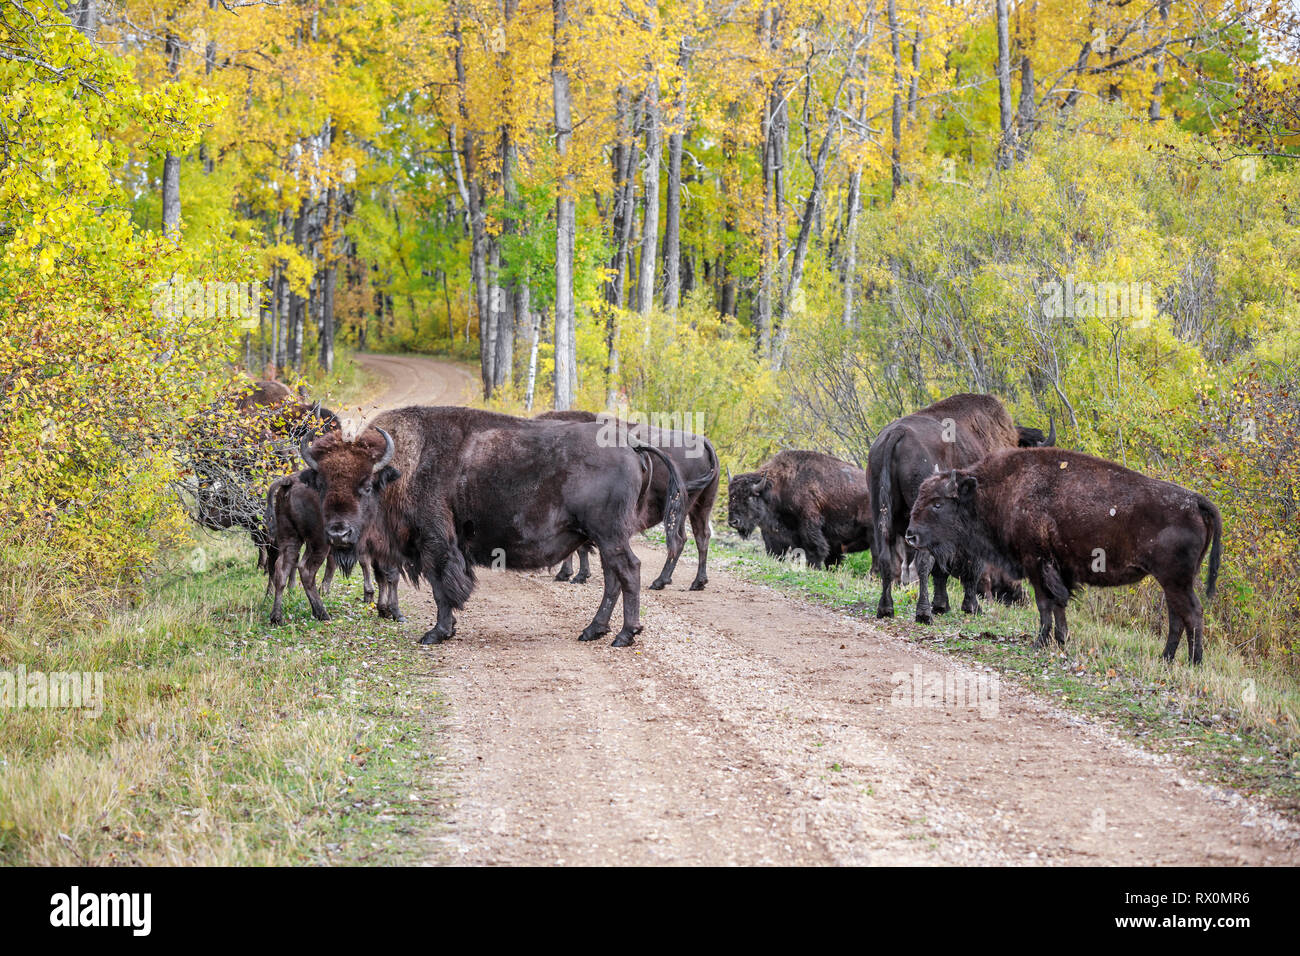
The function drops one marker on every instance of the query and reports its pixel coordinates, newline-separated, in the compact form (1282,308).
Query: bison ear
(966,486)
(386,475)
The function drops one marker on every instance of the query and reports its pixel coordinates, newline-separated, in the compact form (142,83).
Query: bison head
(749,502)
(1034,437)
(349,476)
(944,521)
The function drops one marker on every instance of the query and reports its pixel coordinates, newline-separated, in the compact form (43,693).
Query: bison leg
(629,573)
(1185,616)
(970,599)
(307,574)
(566,569)
(330,565)
(584,565)
(599,625)
(391,576)
(702,528)
(666,575)
(941,602)
(1045,604)
(1062,628)
(367,588)
(285,563)
(885,562)
(924,567)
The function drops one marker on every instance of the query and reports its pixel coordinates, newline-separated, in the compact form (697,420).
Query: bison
(444,489)
(293,521)
(804,500)
(700,472)
(952,433)
(1065,519)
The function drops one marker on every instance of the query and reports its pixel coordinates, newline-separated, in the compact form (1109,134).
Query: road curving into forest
(747,726)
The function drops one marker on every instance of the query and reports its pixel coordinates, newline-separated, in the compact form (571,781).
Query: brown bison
(953,433)
(807,501)
(1064,519)
(294,521)
(468,487)
(700,473)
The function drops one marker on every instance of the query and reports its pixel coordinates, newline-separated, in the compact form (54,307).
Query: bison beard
(476,487)
(1064,520)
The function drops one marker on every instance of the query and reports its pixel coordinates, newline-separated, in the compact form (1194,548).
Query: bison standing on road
(953,433)
(472,487)
(1065,519)
(700,473)
(804,500)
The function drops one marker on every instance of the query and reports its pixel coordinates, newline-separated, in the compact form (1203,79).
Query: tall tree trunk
(1005,146)
(171,181)
(1158,89)
(1027,115)
(327,284)
(645,295)
(896,110)
(851,246)
(472,194)
(673,202)
(297,304)
(565,213)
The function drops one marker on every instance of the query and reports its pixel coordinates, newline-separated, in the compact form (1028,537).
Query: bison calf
(804,500)
(1064,519)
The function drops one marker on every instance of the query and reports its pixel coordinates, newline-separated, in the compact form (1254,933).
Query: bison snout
(340,535)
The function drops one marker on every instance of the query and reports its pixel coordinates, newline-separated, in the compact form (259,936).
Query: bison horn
(305,450)
(389,450)
(728,470)
(1051,429)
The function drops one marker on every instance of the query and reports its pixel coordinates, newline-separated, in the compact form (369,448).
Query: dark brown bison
(294,522)
(807,501)
(469,487)
(1064,519)
(697,461)
(953,433)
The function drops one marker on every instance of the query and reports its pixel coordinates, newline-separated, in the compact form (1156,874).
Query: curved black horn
(1051,430)
(304,449)
(389,450)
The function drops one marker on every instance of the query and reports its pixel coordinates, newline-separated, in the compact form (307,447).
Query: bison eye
(937,506)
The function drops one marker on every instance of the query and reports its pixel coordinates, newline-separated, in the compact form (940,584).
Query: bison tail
(882,496)
(675,502)
(1214,524)
(699,484)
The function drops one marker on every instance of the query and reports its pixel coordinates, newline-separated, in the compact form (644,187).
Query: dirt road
(748,727)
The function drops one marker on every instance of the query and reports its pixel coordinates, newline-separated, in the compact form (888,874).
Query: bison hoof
(1040,642)
(321,616)
(580,578)
(436,636)
(924,617)
(563,575)
(624,639)
(399,617)
(591,633)
(884,612)
(368,597)
(658,584)
(277,619)
(698,585)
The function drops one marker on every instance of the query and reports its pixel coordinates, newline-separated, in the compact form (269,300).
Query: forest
(797,219)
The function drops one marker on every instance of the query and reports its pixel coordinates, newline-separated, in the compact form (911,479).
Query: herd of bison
(956,489)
